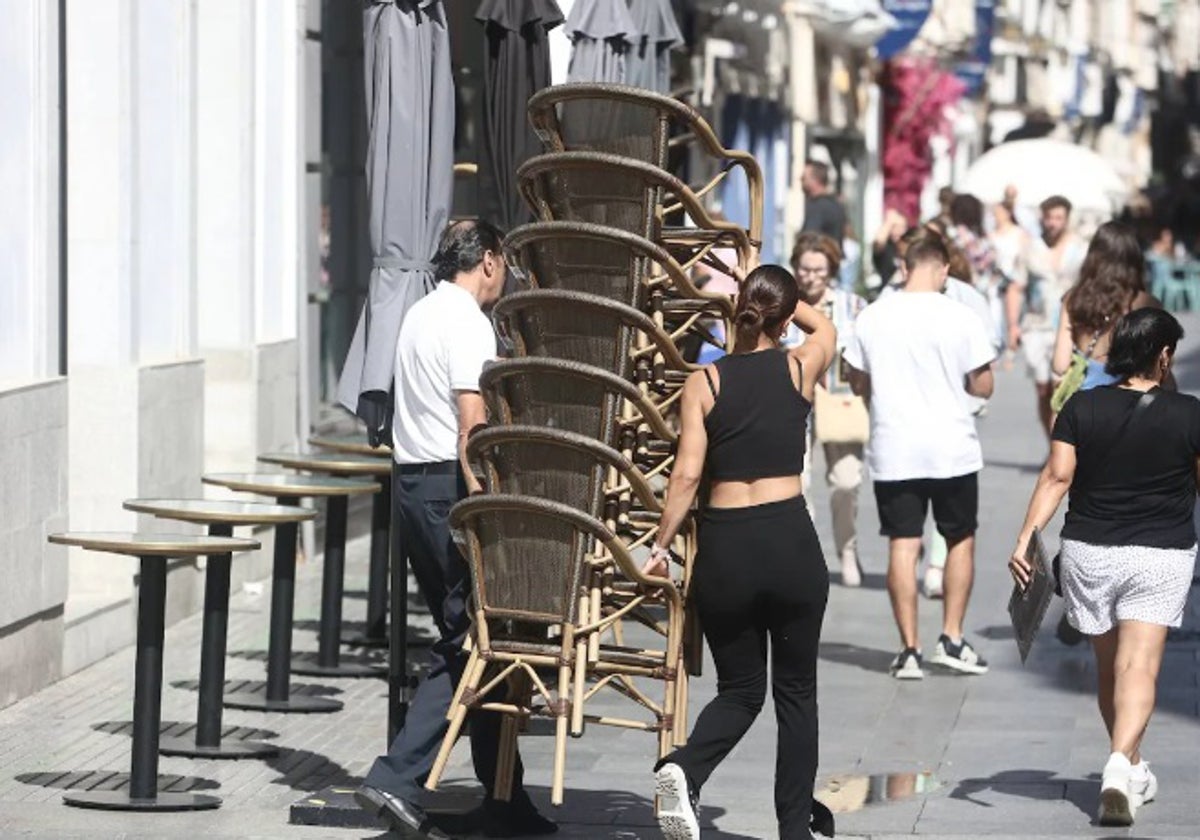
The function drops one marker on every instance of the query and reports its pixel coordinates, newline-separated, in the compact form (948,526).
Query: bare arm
(687,470)
(1052,486)
(860,383)
(1013,299)
(1064,344)
(981,382)
(471,413)
(819,350)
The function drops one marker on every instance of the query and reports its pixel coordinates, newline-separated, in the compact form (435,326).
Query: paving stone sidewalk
(1015,753)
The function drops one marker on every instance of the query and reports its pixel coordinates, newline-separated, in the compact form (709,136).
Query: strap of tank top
(799,370)
(708,379)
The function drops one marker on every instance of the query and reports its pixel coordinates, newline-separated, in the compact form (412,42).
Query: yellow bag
(840,418)
(1070,383)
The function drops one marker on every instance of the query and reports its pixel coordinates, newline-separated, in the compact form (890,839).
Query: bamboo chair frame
(511,658)
(547,112)
(661,194)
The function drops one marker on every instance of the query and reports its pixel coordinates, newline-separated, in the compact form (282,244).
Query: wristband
(659,552)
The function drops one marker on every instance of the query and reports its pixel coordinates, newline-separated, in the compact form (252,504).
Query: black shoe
(407,819)
(518,818)
(822,819)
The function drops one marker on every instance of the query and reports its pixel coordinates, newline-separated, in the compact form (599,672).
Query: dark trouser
(760,573)
(421,500)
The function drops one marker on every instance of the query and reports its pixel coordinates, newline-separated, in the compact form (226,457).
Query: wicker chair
(643,125)
(590,401)
(527,558)
(587,328)
(612,263)
(632,196)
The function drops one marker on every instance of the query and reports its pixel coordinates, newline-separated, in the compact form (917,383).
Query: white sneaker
(851,570)
(907,665)
(1115,801)
(1143,786)
(676,804)
(932,585)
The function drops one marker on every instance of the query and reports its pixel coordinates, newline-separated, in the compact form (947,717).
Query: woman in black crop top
(759,572)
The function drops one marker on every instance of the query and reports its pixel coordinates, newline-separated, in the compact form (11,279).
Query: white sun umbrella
(1041,168)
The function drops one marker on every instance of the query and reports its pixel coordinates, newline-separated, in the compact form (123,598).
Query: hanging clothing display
(648,64)
(602,33)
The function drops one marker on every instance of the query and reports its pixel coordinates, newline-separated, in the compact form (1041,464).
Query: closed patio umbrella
(602,32)
(648,64)
(516,66)
(1041,168)
(410,172)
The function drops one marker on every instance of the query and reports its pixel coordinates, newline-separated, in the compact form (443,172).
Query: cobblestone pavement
(1015,753)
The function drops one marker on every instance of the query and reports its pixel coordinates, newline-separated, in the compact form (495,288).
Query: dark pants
(760,575)
(421,500)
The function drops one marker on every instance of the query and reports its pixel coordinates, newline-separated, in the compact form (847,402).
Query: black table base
(117,800)
(308,665)
(143,792)
(231,749)
(297,703)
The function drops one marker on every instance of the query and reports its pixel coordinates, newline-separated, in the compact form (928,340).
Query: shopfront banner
(910,16)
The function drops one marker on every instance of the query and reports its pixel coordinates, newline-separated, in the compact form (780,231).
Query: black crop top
(756,428)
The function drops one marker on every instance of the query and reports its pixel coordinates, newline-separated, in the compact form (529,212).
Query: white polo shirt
(444,343)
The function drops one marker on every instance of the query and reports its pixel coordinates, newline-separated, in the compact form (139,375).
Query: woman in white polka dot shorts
(1127,453)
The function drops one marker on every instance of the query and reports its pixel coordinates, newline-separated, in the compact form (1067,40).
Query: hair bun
(750,318)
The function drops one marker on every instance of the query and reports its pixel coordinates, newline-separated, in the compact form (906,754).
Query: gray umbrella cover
(516,66)
(602,32)
(410,178)
(648,64)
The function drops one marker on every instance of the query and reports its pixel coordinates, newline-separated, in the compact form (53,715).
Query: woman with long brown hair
(1112,283)
(759,572)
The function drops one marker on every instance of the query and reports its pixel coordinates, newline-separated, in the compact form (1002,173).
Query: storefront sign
(910,16)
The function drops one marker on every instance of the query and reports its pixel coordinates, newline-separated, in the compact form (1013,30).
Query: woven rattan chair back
(644,125)
(594,330)
(527,562)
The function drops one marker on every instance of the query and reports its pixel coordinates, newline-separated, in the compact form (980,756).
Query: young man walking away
(916,356)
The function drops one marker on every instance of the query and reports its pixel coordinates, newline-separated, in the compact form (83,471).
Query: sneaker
(1143,786)
(851,570)
(907,665)
(958,657)
(932,585)
(678,804)
(1115,802)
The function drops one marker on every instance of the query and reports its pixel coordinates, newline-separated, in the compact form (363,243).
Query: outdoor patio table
(333,583)
(375,632)
(153,552)
(220,517)
(288,490)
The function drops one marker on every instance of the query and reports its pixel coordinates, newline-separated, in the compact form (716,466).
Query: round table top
(214,512)
(351,444)
(334,463)
(284,484)
(154,545)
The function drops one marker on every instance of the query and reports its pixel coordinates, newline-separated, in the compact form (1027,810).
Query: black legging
(760,573)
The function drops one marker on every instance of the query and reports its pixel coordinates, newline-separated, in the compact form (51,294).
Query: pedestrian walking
(839,420)
(1126,455)
(1033,306)
(742,417)
(1112,282)
(444,343)
(966,232)
(1011,243)
(916,355)
(823,213)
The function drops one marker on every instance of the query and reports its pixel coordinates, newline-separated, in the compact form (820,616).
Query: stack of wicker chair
(583,424)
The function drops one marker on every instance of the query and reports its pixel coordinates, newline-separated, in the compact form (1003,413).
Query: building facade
(160,163)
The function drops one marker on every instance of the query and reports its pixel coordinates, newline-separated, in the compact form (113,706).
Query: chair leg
(462,684)
(581,649)
(560,734)
(681,709)
(510,726)
(458,714)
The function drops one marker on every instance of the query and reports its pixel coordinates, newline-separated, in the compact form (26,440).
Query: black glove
(375,409)
(822,819)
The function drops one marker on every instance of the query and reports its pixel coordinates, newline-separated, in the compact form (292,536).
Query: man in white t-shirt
(1034,299)
(445,341)
(913,356)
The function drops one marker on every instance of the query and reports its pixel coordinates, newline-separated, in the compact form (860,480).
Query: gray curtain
(410,175)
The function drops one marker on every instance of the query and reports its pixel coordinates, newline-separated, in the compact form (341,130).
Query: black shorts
(903,505)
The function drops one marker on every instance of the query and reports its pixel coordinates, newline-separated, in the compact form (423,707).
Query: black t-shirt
(1135,474)
(824,214)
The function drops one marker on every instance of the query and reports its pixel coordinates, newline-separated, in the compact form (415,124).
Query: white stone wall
(33,496)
